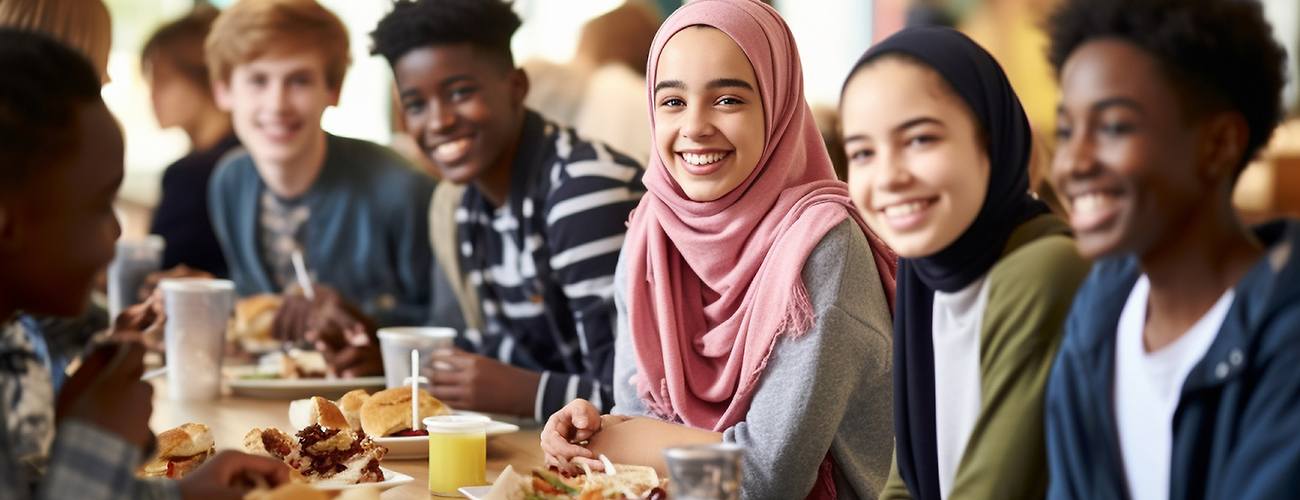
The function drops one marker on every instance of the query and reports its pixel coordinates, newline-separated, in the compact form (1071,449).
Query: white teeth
(1093,202)
(452,149)
(277,129)
(905,208)
(695,159)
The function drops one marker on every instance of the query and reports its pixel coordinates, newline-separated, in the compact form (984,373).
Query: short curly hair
(413,24)
(43,86)
(1217,54)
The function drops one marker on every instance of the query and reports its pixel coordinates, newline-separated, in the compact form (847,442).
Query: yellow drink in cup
(457,453)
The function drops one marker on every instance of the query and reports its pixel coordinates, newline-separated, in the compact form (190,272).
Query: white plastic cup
(198,310)
(395,344)
(133,262)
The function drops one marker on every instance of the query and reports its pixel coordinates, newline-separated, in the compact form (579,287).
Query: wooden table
(232,417)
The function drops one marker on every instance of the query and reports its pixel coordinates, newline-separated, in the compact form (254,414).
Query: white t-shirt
(958,318)
(1148,386)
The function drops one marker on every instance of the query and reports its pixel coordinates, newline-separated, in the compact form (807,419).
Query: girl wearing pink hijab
(754,305)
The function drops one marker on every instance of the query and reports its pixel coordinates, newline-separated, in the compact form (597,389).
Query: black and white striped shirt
(544,262)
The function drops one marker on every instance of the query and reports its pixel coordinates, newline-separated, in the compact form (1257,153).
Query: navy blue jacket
(1237,426)
(368,234)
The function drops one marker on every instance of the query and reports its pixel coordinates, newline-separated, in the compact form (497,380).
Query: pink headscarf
(711,285)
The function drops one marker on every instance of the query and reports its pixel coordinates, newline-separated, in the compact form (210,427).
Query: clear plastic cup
(396,343)
(198,310)
(706,472)
(133,262)
(457,453)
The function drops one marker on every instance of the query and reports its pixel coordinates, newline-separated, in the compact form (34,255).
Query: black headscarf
(978,79)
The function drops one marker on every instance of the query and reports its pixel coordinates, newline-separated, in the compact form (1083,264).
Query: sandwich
(254,317)
(388,412)
(629,482)
(324,456)
(180,451)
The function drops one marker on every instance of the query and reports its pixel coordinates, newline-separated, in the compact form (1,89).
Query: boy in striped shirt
(541,222)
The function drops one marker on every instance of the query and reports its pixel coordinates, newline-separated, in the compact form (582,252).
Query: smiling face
(65,221)
(918,172)
(276,102)
(708,117)
(464,108)
(1126,158)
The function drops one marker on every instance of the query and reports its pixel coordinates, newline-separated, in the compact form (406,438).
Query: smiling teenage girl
(753,308)
(939,150)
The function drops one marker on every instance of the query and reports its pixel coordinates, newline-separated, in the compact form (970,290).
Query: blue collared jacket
(1236,430)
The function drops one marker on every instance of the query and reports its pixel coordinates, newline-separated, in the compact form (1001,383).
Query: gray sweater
(830,389)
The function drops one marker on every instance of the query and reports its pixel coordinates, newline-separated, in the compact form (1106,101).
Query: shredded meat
(275,445)
(326,462)
(371,473)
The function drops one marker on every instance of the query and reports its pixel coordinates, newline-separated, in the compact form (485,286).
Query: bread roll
(389,411)
(304,413)
(255,315)
(185,441)
(351,404)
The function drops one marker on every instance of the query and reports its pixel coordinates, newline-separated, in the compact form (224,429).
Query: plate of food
(385,417)
(630,482)
(331,456)
(292,375)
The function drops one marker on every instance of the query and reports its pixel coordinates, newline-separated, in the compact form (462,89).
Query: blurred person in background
(601,92)
(174,65)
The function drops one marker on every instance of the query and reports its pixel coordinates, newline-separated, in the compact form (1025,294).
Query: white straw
(155,373)
(415,388)
(300,269)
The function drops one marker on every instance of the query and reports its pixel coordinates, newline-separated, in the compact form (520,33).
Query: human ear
(1223,145)
(221,94)
(518,87)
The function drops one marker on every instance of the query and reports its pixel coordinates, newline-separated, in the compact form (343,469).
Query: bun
(254,317)
(351,404)
(185,441)
(389,411)
(317,410)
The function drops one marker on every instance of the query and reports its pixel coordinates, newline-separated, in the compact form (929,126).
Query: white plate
(415,447)
(295,388)
(392,479)
(475,492)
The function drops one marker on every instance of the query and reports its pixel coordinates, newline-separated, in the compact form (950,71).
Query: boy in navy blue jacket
(1177,377)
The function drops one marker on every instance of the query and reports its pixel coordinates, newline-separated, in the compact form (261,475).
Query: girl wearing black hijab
(939,151)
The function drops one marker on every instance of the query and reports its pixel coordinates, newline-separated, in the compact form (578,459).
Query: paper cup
(198,310)
(133,262)
(395,344)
